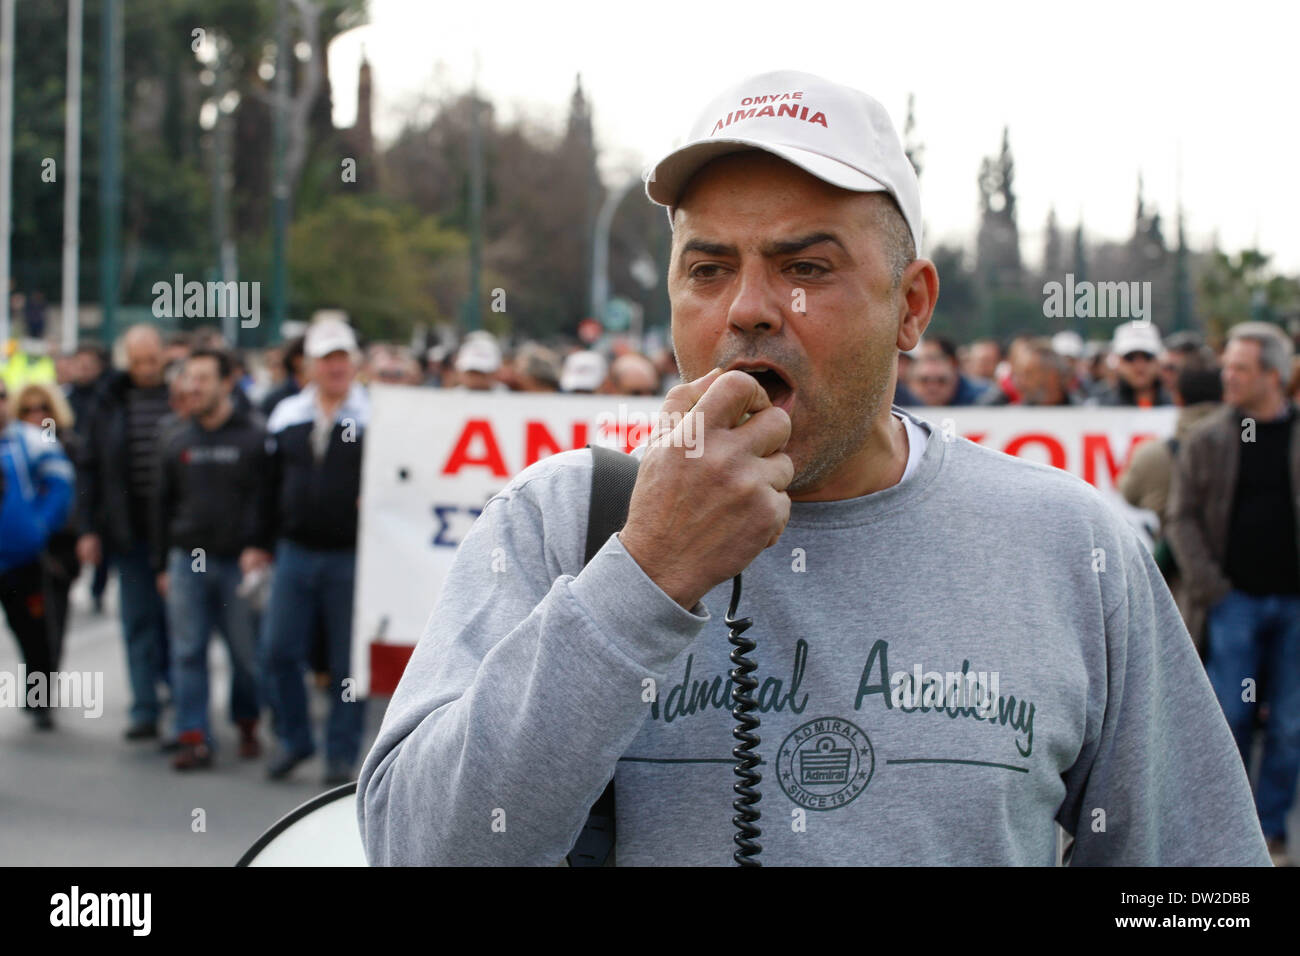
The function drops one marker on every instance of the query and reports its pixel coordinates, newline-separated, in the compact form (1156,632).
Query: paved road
(83,796)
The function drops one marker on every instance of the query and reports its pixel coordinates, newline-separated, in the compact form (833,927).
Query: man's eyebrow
(779,247)
(785,247)
(709,248)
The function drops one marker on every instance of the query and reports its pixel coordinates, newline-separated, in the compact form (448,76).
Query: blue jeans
(311,589)
(198,601)
(1259,637)
(144,627)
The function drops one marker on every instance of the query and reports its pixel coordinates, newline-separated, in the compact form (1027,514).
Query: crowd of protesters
(1136,368)
(228,504)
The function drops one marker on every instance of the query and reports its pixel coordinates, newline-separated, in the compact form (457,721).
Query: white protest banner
(434,457)
(1092,443)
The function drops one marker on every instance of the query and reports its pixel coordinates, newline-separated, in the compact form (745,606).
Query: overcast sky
(1093,92)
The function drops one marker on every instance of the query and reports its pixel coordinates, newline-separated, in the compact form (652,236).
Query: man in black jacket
(1234,524)
(313,490)
(116,485)
(208,515)
(90,375)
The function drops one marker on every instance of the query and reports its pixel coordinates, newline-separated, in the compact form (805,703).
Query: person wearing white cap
(1068,344)
(478,362)
(583,372)
(315,441)
(795,281)
(1134,347)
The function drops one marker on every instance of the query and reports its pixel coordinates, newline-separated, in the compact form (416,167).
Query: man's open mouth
(774,382)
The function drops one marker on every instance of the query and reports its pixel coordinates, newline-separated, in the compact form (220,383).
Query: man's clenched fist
(694,522)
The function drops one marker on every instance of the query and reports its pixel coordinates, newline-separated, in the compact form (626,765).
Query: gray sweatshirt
(947,668)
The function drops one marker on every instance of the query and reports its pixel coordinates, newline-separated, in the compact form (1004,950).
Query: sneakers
(284,762)
(250,748)
(142,732)
(194,752)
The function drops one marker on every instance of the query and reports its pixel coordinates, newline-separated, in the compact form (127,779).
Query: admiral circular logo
(825,763)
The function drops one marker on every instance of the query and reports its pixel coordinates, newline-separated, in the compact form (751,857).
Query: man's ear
(920,291)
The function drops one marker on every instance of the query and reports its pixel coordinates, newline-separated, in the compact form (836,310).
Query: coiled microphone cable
(742,689)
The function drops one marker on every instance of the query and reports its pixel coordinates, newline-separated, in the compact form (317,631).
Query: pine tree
(1052,251)
(1080,266)
(998,244)
(1080,254)
(579,152)
(1182,281)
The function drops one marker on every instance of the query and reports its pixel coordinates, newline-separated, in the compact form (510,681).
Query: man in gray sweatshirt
(957,650)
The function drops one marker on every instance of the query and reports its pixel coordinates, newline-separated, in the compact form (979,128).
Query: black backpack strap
(613,475)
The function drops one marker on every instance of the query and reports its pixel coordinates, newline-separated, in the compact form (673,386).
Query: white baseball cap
(479,354)
(329,335)
(1068,344)
(583,372)
(1136,337)
(836,133)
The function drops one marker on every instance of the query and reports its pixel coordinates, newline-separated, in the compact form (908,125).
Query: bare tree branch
(300,105)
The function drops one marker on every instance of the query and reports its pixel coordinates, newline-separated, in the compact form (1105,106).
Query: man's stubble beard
(842,427)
